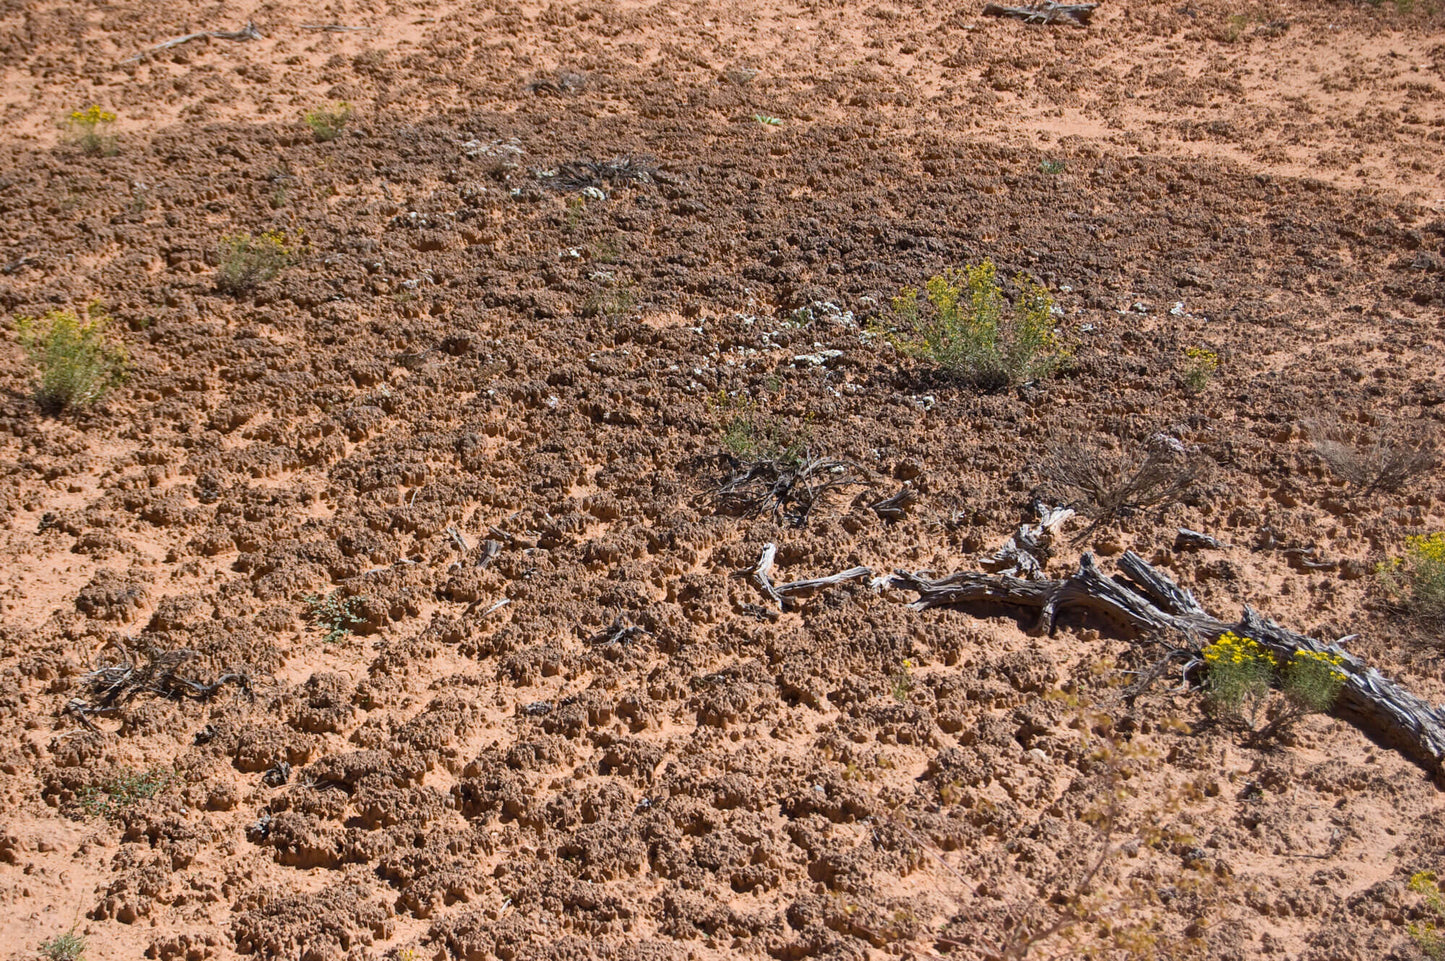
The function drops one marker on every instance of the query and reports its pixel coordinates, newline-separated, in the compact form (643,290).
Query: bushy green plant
(1200,366)
(1425,933)
(750,433)
(326,123)
(89,129)
(77,359)
(964,324)
(1239,673)
(1418,578)
(334,614)
(1241,678)
(69,946)
(113,797)
(245,261)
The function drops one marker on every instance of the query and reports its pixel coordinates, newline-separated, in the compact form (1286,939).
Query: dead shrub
(1105,483)
(1372,460)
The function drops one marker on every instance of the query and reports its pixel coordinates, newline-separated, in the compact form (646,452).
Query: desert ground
(389,608)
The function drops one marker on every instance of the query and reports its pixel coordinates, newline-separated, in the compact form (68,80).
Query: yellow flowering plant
(1242,673)
(1200,366)
(1418,578)
(89,129)
(962,322)
(245,261)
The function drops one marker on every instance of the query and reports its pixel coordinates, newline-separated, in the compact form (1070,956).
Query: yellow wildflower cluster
(1430,549)
(1230,648)
(1310,658)
(1204,357)
(91,116)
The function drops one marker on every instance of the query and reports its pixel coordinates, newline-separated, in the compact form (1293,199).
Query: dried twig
(593,173)
(618,632)
(115,685)
(1045,11)
(248,32)
(787,489)
(813,583)
(758,574)
(895,508)
(331,27)
(778,594)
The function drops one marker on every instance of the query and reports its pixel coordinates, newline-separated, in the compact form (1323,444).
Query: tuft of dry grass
(1372,460)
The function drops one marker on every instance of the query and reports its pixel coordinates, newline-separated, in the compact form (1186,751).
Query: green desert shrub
(326,123)
(1242,674)
(245,261)
(1418,578)
(69,946)
(89,129)
(77,359)
(962,322)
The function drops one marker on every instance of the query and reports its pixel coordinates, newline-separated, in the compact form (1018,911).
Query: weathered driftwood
(248,32)
(1045,12)
(1031,544)
(1187,540)
(1146,601)
(813,583)
(787,489)
(779,593)
(758,574)
(113,686)
(895,508)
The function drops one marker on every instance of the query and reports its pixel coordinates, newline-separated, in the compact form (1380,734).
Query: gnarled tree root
(1147,602)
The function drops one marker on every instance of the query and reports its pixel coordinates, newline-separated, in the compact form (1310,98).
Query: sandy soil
(467,350)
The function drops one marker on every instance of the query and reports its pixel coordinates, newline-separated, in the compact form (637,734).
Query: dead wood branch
(758,574)
(1145,601)
(332,28)
(248,32)
(490,550)
(812,584)
(895,508)
(1187,540)
(619,632)
(779,593)
(1047,12)
(789,490)
(1026,552)
(115,685)
(579,174)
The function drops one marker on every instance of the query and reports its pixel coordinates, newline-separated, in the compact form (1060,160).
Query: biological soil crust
(563,264)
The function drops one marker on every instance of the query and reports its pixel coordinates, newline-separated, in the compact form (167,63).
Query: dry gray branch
(1030,547)
(895,508)
(114,685)
(1047,12)
(248,32)
(787,489)
(1145,601)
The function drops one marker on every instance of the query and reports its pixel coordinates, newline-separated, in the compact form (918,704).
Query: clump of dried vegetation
(1383,459)
(1105,483)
